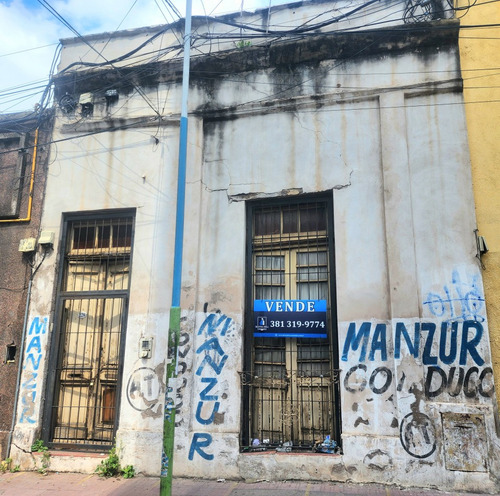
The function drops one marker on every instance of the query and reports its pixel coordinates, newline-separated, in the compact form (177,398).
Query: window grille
(290,384)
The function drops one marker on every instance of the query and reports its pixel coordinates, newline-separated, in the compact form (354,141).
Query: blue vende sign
(290,318)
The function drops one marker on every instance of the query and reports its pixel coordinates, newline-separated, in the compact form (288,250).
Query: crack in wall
(343,186)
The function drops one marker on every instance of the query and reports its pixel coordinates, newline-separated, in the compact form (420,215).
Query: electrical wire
(173,8)
(27,50)
(117,28)
(302,30)
(45,4)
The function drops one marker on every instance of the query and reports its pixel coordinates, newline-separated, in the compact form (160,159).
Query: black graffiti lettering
(417,435)
(470,393)
(401,382)
(183,366)
(482,392)
(437,382)
(428,382)
(388,380)
(183,339)
(351,371)
(460,381)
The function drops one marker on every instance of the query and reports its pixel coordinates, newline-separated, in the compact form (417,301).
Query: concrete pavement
(69,484)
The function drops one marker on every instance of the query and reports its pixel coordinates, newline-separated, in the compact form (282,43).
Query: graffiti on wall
(417,435)
(212,359)
(144,388)
(182,365)
(33,357)
(453,341)
(455,344)
(459,300)
(451,352)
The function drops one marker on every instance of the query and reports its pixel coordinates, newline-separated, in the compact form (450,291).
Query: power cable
(173,8)
(27,50)
(45,4)
(128,55)
(219,36)
(117,28)
(323,109)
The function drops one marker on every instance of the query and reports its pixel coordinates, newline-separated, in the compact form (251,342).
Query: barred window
(290,383)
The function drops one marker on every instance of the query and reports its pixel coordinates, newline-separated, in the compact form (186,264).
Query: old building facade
(23,168)
(330,285)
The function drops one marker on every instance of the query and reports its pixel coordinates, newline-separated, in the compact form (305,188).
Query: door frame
(56,334)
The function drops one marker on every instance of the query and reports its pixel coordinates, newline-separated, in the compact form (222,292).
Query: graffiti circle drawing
(417,435)
(143,389)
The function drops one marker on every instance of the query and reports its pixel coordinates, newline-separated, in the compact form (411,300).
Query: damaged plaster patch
(218,418)
(250,196)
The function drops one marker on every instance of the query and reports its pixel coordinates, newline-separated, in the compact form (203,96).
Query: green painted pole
(167,457)
(169,418)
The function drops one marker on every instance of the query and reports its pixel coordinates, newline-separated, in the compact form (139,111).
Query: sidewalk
(35,484)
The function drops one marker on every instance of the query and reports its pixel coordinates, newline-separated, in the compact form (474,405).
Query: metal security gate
(92,309)
(290,384)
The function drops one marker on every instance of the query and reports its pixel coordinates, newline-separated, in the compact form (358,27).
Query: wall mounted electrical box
(145,347)
(46,238)
(86,98)
(27,245)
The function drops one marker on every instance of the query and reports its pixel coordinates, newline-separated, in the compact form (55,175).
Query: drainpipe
(175,311)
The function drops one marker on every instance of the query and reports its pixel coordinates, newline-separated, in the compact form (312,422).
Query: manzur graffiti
(37,330)
(454,343)
(450,351)
(449,344)
(214,327)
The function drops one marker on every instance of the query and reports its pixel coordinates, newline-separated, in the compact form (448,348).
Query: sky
(29,34)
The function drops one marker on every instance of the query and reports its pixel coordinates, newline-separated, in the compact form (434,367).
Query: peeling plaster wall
(390,147)
(412,320)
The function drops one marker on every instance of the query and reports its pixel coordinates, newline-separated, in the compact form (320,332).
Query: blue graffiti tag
(200,440)
(31,365)
(214,359)
(450,341)
(461,300)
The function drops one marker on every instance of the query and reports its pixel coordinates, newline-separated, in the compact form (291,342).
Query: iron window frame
(248,338)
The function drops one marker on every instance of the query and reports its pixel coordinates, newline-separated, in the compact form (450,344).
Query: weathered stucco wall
(478,56)
(15,270)
(384,134)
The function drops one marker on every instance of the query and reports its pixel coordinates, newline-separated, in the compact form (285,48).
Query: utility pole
(167,457)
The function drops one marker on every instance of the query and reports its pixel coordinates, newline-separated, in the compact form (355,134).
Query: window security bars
(291,384)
